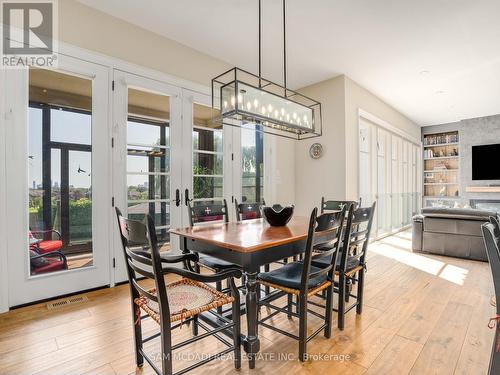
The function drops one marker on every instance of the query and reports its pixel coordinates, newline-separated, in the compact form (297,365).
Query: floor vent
(66,302)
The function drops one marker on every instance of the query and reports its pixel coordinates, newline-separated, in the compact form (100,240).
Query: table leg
(251,343)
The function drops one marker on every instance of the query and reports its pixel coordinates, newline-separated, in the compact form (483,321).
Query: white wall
(88,28)
(315,178)
(335,175)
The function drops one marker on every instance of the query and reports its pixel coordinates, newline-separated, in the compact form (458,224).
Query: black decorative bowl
(278,216)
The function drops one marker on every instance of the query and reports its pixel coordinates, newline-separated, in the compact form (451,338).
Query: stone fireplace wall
(472,132)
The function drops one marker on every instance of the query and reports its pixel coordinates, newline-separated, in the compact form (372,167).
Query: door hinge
(114,262)
(232,156)
(113,85)
(232,198)
(112,201)
(112,142)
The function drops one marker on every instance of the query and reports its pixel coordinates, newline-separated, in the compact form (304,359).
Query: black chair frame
(491,236)
(137,238)
(334,223)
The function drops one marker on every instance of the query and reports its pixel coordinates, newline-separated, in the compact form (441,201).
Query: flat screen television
(486,162)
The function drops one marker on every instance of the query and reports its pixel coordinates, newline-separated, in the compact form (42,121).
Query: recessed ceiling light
(424,72)
(439,92)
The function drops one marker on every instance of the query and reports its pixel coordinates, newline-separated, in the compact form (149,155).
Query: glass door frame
(189,98)
(122,82)
(23,287)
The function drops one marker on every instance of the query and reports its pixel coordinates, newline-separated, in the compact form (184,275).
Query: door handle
(177,197)
(186,195)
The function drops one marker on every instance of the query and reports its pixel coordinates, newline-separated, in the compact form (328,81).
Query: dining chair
(304,280)
(248,210)
(351,261)
(491,237)
(204,213)
(335,205)
(179,302)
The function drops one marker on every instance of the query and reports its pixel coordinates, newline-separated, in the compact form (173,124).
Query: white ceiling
(384,45)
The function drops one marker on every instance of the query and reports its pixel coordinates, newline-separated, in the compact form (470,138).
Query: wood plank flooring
(422,315)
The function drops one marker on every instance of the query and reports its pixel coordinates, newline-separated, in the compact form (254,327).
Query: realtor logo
(28,33)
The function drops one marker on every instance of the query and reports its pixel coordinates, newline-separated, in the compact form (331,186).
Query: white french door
(58,163)
(147,156)
(167,152)
(388,167)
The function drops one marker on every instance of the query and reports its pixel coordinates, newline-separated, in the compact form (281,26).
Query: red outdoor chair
(50,262)
(39,244)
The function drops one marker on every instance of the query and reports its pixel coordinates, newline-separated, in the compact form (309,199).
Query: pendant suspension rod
(284,47)
(260,43)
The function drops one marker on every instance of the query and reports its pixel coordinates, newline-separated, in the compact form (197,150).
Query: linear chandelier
(244,99)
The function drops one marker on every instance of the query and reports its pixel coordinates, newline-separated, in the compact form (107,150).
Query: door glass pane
(208,158)
(252,165)
(60,171)
(148,160)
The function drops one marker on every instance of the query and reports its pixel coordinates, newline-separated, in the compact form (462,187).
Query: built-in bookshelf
(441,165)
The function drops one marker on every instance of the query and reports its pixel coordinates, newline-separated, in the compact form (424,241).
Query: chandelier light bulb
(255,103)
(294,115)
(270,108)
(249,106)
(240,98)
(233,101)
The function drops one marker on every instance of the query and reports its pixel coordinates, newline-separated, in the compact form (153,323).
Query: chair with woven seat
(491,236)
(351,261)
(182,301)
(304,280)
(204,213)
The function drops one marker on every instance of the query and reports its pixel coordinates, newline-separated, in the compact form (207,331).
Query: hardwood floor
(422,315)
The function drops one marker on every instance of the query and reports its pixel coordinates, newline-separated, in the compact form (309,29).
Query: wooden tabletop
(249,235)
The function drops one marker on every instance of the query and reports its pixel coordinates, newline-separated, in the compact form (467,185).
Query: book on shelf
(437,139)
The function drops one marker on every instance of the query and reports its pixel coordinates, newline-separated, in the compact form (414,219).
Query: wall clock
(316,150)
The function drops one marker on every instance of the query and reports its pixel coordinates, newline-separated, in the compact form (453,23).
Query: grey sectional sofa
(450,231)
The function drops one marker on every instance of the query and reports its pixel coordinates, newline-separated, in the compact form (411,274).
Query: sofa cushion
(457,213)
(453,226)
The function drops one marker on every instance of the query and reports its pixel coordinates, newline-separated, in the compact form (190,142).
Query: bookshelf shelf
(441,165)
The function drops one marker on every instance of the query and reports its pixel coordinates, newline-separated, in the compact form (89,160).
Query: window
(252,165)
(208,152)
(60,170)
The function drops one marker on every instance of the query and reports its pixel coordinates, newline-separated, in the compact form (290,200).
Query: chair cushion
(215,263)
(290,276)
(186,298)
(53,264)
(49,246)
(352,262)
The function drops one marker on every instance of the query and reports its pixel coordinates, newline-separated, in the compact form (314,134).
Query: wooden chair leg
(195,326)
(236,333)
(341,307)
(136,318)
(218,286)
(302,327)
(359,293)
(266,288)
(328,312)
(166,353)
(348,287)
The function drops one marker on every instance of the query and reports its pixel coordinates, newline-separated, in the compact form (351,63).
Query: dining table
(249,244)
